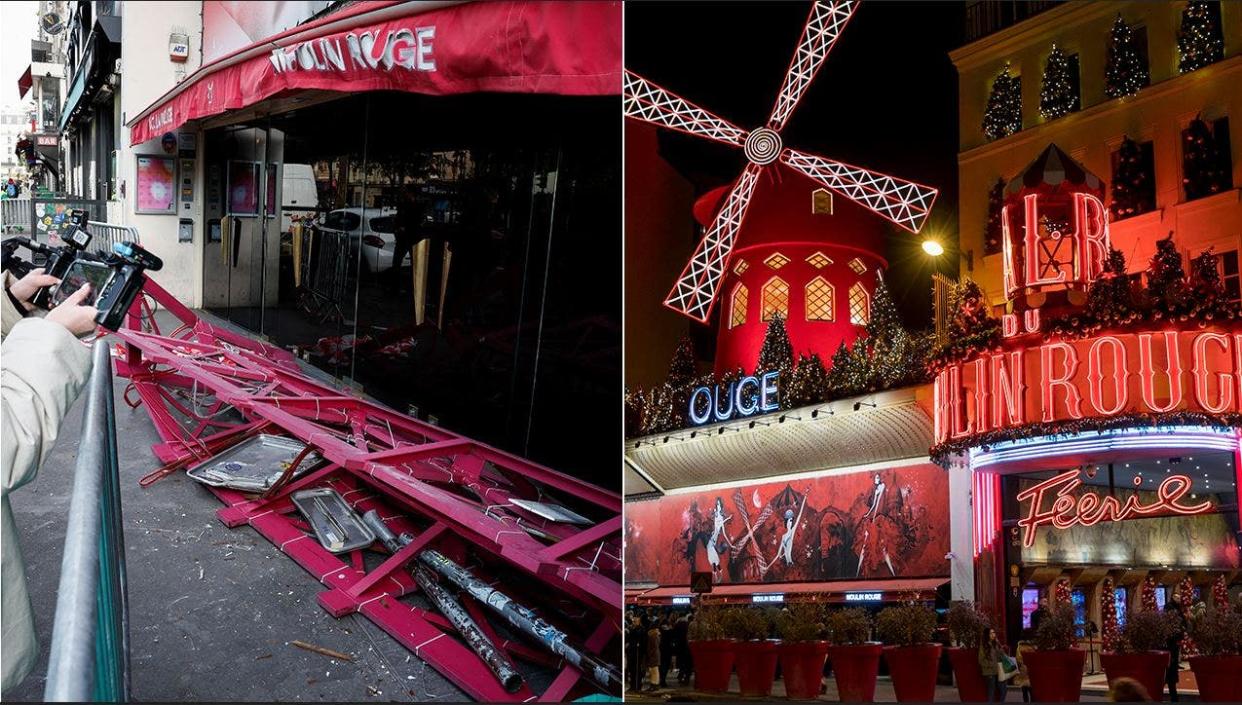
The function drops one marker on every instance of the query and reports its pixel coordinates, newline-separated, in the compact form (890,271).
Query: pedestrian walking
(990,651)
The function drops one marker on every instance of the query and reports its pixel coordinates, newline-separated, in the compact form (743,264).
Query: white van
(299,197)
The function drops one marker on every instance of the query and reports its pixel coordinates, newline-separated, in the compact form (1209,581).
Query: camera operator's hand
(25,288)
(71,314)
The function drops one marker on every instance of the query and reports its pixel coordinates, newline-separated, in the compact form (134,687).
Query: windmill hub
(763,146)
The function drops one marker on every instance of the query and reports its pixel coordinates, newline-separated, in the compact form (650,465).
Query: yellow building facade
(1158,113)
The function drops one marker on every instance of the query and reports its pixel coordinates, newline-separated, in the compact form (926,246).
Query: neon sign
(769,598)
(1149,372)
(746,397)
(1050,253)
(863,596)
(1089,508)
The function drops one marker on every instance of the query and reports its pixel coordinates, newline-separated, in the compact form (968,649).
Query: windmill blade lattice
(695,289)
(903,202)
(822,29)
(647,101)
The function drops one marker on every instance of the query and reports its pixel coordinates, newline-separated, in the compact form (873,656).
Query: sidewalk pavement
(212,609)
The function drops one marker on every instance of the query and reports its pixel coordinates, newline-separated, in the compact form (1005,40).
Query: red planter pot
(971,687)
(802,668)
(1056,676)
(1219,678)
(913,669)
(1147,668)
(855,668)
(756,666)
(713,664)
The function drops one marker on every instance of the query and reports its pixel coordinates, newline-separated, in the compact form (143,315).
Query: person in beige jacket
(43,367)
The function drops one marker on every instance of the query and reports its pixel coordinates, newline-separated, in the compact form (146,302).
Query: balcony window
(1133,184)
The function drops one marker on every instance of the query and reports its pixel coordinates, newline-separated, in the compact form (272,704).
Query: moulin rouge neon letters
(1150,372)
(1089,508)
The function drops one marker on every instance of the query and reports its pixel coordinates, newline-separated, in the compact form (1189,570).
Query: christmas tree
(993,231)
(807,385)
(1003,115)
(777,352)
(1203,168)
(1207,290)
(1166,281)
(971,327)
(1111,300)
(1058,96)
(1125,72)
(1199,41)
(1132,185)
(682,369)
(1147,596)
(887,356)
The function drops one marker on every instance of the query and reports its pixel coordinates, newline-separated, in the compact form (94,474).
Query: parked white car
(373,227)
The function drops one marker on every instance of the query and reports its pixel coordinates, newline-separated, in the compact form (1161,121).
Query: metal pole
(71,667)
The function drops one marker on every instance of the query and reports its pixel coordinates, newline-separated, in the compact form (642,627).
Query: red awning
(24,83)
(435,48)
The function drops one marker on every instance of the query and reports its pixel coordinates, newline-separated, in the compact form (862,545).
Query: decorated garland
(941,453)
(1061,595)
(1147,597)
(1220,594)
(1186,590)
(1108,616)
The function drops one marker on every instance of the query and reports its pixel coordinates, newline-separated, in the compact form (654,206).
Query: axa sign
(1152,372)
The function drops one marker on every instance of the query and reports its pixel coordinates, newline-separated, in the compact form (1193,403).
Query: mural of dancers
(859,525)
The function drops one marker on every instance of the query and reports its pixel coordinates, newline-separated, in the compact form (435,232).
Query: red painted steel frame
(450,492)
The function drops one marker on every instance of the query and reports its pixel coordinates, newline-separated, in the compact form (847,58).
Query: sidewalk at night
(212,610)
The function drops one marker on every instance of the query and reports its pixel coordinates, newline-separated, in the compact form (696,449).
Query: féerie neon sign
(1089,508)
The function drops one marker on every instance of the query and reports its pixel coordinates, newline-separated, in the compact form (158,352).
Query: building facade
(1094,430)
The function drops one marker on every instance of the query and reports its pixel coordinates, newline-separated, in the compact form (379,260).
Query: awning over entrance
(437,48)
(887,427)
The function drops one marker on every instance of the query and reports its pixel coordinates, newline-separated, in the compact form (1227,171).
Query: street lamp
(933,247)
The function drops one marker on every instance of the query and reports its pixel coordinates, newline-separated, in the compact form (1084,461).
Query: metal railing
(90,634)
(16,216)
(105,235)
(984,17)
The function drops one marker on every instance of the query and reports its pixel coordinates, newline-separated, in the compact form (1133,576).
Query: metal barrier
(16,216)
(90,634)
(105,235)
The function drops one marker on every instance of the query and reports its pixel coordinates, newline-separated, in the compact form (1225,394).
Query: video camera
(115,277)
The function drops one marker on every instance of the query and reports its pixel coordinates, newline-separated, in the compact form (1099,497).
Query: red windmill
(902,202)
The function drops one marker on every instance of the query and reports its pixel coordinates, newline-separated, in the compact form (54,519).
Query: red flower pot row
(1056,676)
(1147,667)
(971,688)
(855,667)
(1219,678)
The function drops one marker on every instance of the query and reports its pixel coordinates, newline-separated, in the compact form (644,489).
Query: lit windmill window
(857,265)
(860,305)
(821,202)
(775,299)
(776,261)
(819,300)
(737,310)
(740,268)
(819,260)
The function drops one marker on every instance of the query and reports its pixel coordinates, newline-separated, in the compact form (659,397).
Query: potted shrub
(912,657)
(756,653)
(1140,651)
(711,649)
(802,649)
(855,659)
(1218,667)
(1055,666)
(967,624)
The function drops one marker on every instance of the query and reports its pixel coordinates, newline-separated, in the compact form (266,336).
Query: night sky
(885,99)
